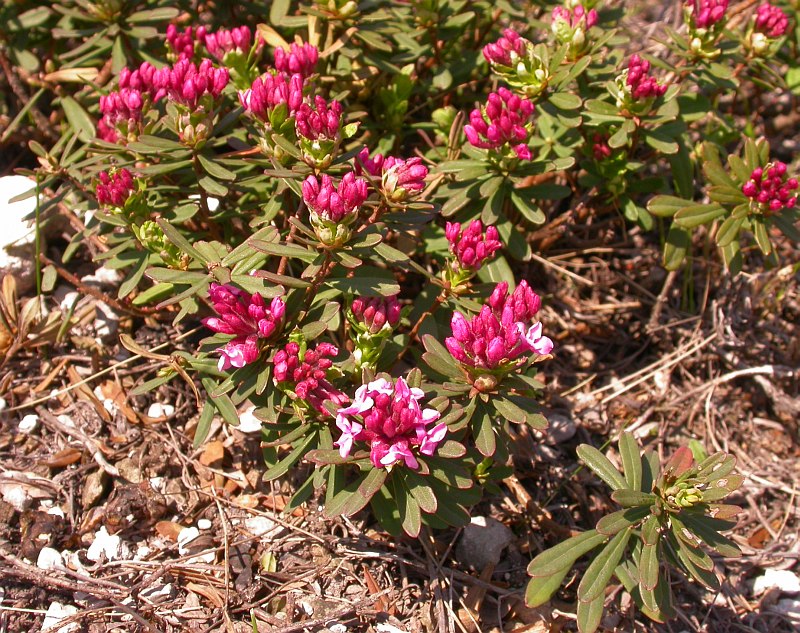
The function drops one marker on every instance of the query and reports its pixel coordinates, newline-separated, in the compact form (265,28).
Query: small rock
(204,524)
(57,612)
(94,488)
(783,579)
(17,237)
(103,277)
(158,410)
(66,296)
(3,404)
(110,546)
(262,526)
(28,424)
(49,558)
(249,423)
(129,469)
(186,536)
(106,322)
(482,542)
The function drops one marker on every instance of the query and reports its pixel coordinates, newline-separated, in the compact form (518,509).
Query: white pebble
(49,558)
(57,612)
(28,424)
(249,423)
(158,410)
(3,404)
(204,524)
(261,526)
(107,545)
(186,536)
(783,579)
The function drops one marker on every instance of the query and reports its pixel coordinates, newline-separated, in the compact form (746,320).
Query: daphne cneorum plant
(670,516)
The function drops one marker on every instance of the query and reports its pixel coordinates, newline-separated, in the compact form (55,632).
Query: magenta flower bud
(321,122)
(403,179)
(706,13)
(308,376)
(238,40)
(300,59)
(181,42)
(503,120)
(186,84)
(769,188)
(388,418)
(641,85)
(506,50)
(373,166)
(472,247)
(114,189)
(373,314)
(771,21)
(500,334)
(333,204)
(244,316)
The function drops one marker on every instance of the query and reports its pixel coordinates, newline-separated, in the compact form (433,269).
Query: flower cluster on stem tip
(600,147)
(642,85)
(373,320)
(115,188)
(332,210)
(770,189)
(238,40)
(514,59)
(471,248)
(181,42)
(245,316)
(122,114)
(390,419)
(268,92)
(502,120)
(187,83)
(299,59)
(308,374)
(402,178)
(570,27)
(501,333)
(771,20)
(705,14)
(319,130)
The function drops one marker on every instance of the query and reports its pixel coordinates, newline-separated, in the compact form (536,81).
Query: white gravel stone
(57,612)
(158,410)
(50,558)
(261,526)
(110,546)
(483,541)
(204,524)
(249,423)
(783,579)
(186,536)
(28,423)
(17,236)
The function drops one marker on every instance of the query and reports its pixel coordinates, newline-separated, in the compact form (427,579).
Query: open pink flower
(245,316)
(391,421)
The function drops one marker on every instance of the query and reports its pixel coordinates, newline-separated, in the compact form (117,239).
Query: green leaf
(213,187)
(563,556)
(726,194)
(621,519)
(648,567)
(729,230)
(632,498)
(421,491)
(283,466)
(666,206)
(565,100)
(599,572)
(631,460)
(293,251)
(541,588)
(203,425)
(678,243)
(410,515)
(367,281)
(698,214)
(601,466)
(366,490)
(162,14)
(214,169)
(531,212)
(483,431)
(590,613)
(78,118)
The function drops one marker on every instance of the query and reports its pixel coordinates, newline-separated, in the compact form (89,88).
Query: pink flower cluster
(641,84)
(401,178)
(333,204)
(269,91)
(503,51)
(245,316)
(186,83)
(391,421)
(322,122)
(239,39)
(309,375)
(501,121)
(300,59)
(707,13)
(472,246)
(121,108)
(373,313)
(770,188)
(771,21)
(114,189)
(501,332)
(181,42)
(574,17)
